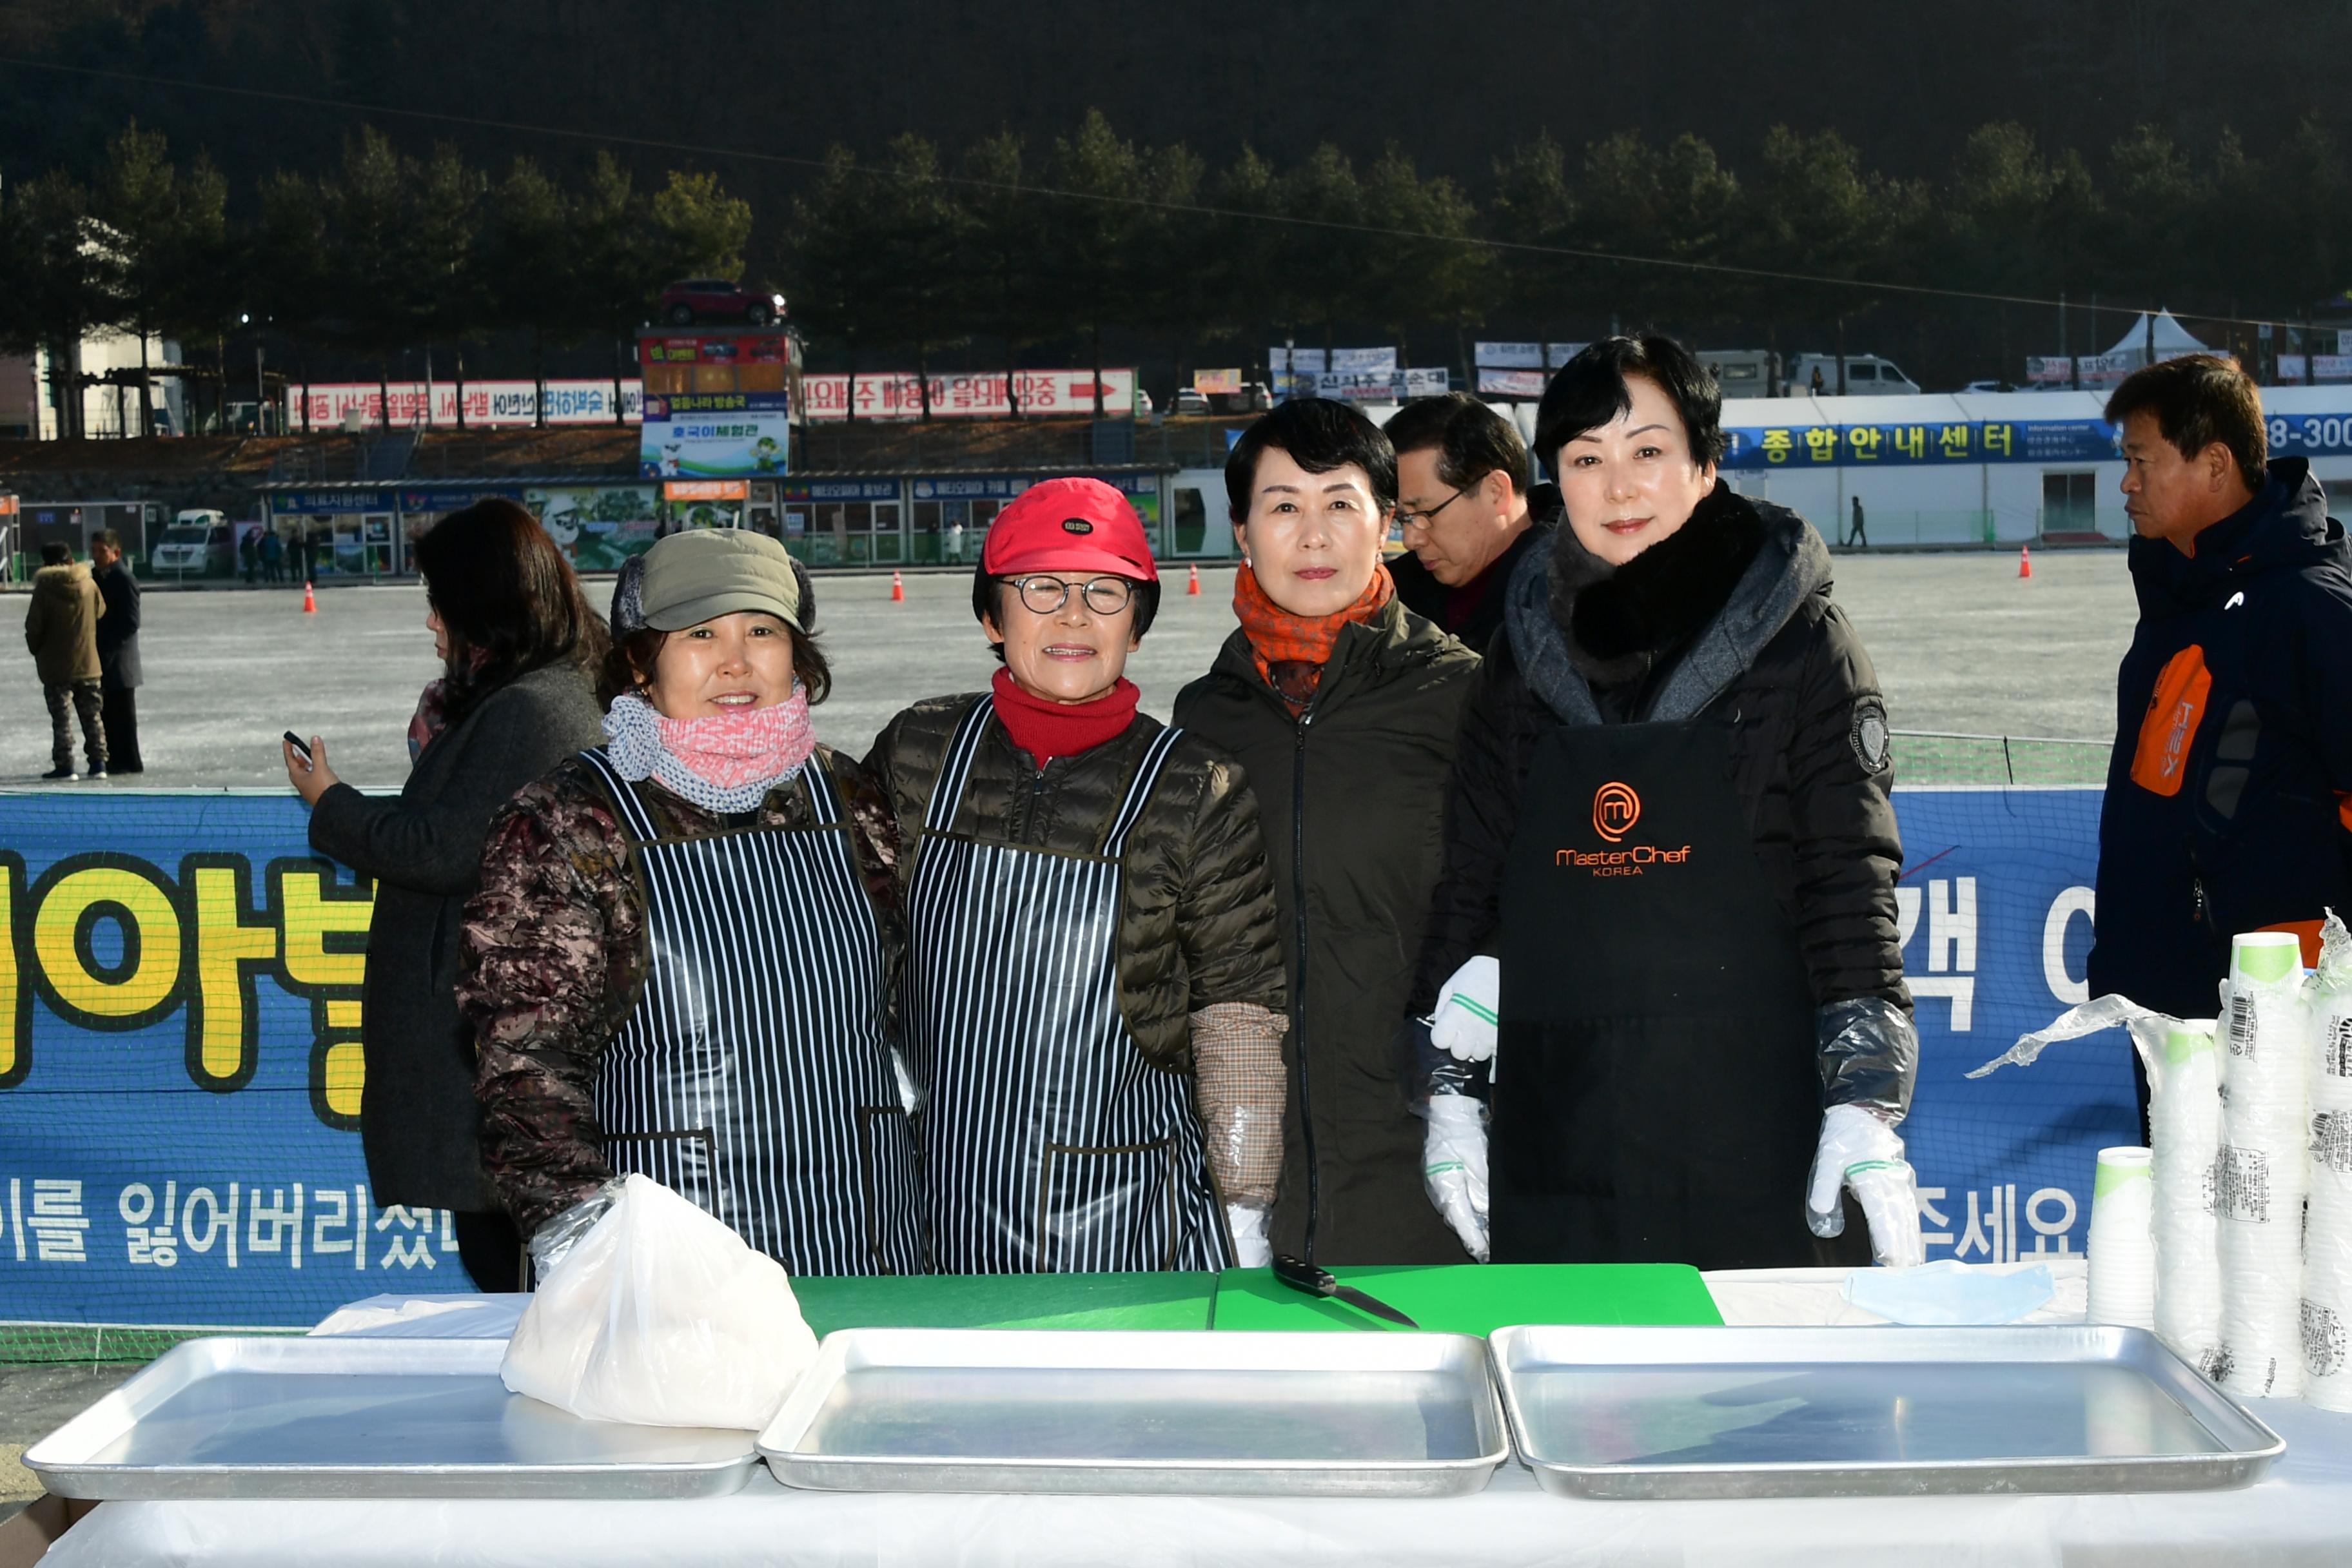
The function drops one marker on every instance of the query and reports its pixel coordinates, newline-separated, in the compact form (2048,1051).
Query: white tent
(2172,339)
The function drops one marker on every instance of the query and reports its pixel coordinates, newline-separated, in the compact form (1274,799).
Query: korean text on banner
(179,1023)
(180,1069)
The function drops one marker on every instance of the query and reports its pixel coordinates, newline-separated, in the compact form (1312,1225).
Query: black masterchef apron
(1655,1095)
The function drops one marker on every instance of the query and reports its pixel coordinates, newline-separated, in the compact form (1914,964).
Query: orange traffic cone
(2024,561)
(898,589)
(310,601)
(1192,581)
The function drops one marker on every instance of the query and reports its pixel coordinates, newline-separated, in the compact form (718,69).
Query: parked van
(195,544)
(1866,376)
(1744,372)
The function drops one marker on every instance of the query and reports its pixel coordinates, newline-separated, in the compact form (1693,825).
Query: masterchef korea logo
(1616,811)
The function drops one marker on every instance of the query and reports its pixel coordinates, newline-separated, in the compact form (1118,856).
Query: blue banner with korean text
(1762,448)
(180,1074)
(180,1071)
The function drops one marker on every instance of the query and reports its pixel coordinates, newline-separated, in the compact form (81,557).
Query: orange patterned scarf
(1291,650)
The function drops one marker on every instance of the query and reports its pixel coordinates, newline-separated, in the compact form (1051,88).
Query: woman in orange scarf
(1341,705)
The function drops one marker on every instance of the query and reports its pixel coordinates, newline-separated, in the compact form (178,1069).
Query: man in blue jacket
(2228,803)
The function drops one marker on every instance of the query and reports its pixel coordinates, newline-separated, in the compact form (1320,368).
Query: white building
(30,404)
(1962,468)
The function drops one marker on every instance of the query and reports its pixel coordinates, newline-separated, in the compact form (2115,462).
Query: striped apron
(1051,1145)
(754,1074)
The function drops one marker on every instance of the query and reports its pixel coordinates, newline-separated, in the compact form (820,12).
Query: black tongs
(1318,1281)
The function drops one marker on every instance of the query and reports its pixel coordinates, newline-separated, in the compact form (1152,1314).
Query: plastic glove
(1454,1167)
(551,1241)
(1868,1053)
(1467,1011)
(1251,1248)
(1860,1150)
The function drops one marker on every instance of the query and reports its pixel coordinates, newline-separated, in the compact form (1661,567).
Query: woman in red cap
(1094,997)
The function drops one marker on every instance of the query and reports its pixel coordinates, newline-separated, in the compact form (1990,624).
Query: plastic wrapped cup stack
(2122,1243)
(2265,1170)
(2327,1238)
(2185,1119)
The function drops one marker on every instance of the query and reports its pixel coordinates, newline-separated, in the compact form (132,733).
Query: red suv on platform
(696,300)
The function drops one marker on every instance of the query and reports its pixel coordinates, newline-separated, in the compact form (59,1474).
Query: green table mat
(1475,1299)
(1171,1300)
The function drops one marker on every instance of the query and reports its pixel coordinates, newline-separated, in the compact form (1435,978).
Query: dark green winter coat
(1196,922)
(1352,795)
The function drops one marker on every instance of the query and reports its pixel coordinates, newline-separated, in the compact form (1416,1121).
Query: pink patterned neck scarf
(726,762)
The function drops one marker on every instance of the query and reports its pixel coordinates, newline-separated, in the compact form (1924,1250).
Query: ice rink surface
(1961,645)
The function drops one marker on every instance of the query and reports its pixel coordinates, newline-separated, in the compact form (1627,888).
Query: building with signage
(932,519)
(1963,469)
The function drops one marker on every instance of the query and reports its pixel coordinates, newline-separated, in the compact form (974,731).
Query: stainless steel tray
(986,1410)
(1866,1412)
(284,1417)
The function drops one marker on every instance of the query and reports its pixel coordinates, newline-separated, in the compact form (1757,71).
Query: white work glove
(1454,1167)
(1251,1248)
(1467,1010)
(1859,1151)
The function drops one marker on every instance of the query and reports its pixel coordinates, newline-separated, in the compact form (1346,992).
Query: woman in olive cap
(678,961)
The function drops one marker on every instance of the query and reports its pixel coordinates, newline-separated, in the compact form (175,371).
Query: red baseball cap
(1068,525)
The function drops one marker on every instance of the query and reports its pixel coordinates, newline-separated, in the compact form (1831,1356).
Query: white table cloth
(2301,1513)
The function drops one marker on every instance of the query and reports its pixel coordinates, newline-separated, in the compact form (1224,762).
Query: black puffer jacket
(1198,927)
(1782,665)
(2228,803)
(1351,797)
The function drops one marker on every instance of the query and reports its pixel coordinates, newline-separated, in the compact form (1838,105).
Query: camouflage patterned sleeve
(548,959)
(876,826)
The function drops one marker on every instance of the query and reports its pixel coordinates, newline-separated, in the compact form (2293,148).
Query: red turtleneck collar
(1046,730)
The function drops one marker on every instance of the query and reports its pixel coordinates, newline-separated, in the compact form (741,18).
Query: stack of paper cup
(2327,1238)
(2265,1171)
(2122,1244)
(2184,1123)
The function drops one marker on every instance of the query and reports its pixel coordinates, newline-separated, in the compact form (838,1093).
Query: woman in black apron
(678,962)
(1093,1009)
(1667,932)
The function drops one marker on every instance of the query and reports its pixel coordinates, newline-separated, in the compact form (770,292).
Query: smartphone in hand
(301,746)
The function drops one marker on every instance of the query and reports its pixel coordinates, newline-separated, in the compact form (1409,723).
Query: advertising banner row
(180,1073)
(979,395)
(486,402)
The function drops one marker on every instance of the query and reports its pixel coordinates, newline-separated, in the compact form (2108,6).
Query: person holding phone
(1093,997)
(517,644)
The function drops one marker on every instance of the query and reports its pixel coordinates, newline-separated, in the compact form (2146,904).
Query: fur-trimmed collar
(1790,567)
(1622,621)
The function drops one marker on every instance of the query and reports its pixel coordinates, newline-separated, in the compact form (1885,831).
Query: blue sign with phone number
(2309,435)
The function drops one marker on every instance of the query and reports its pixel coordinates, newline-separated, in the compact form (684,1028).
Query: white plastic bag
(661,1316)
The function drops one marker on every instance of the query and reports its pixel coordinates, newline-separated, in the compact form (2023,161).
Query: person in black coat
(118,653)
(2229,800)
(1667,912)
(519,648)
(1469,510)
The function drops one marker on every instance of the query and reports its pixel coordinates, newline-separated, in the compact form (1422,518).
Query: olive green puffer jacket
(1353,793)
(1198,926)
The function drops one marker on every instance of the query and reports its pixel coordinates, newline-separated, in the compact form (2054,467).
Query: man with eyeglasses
(1468,507)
